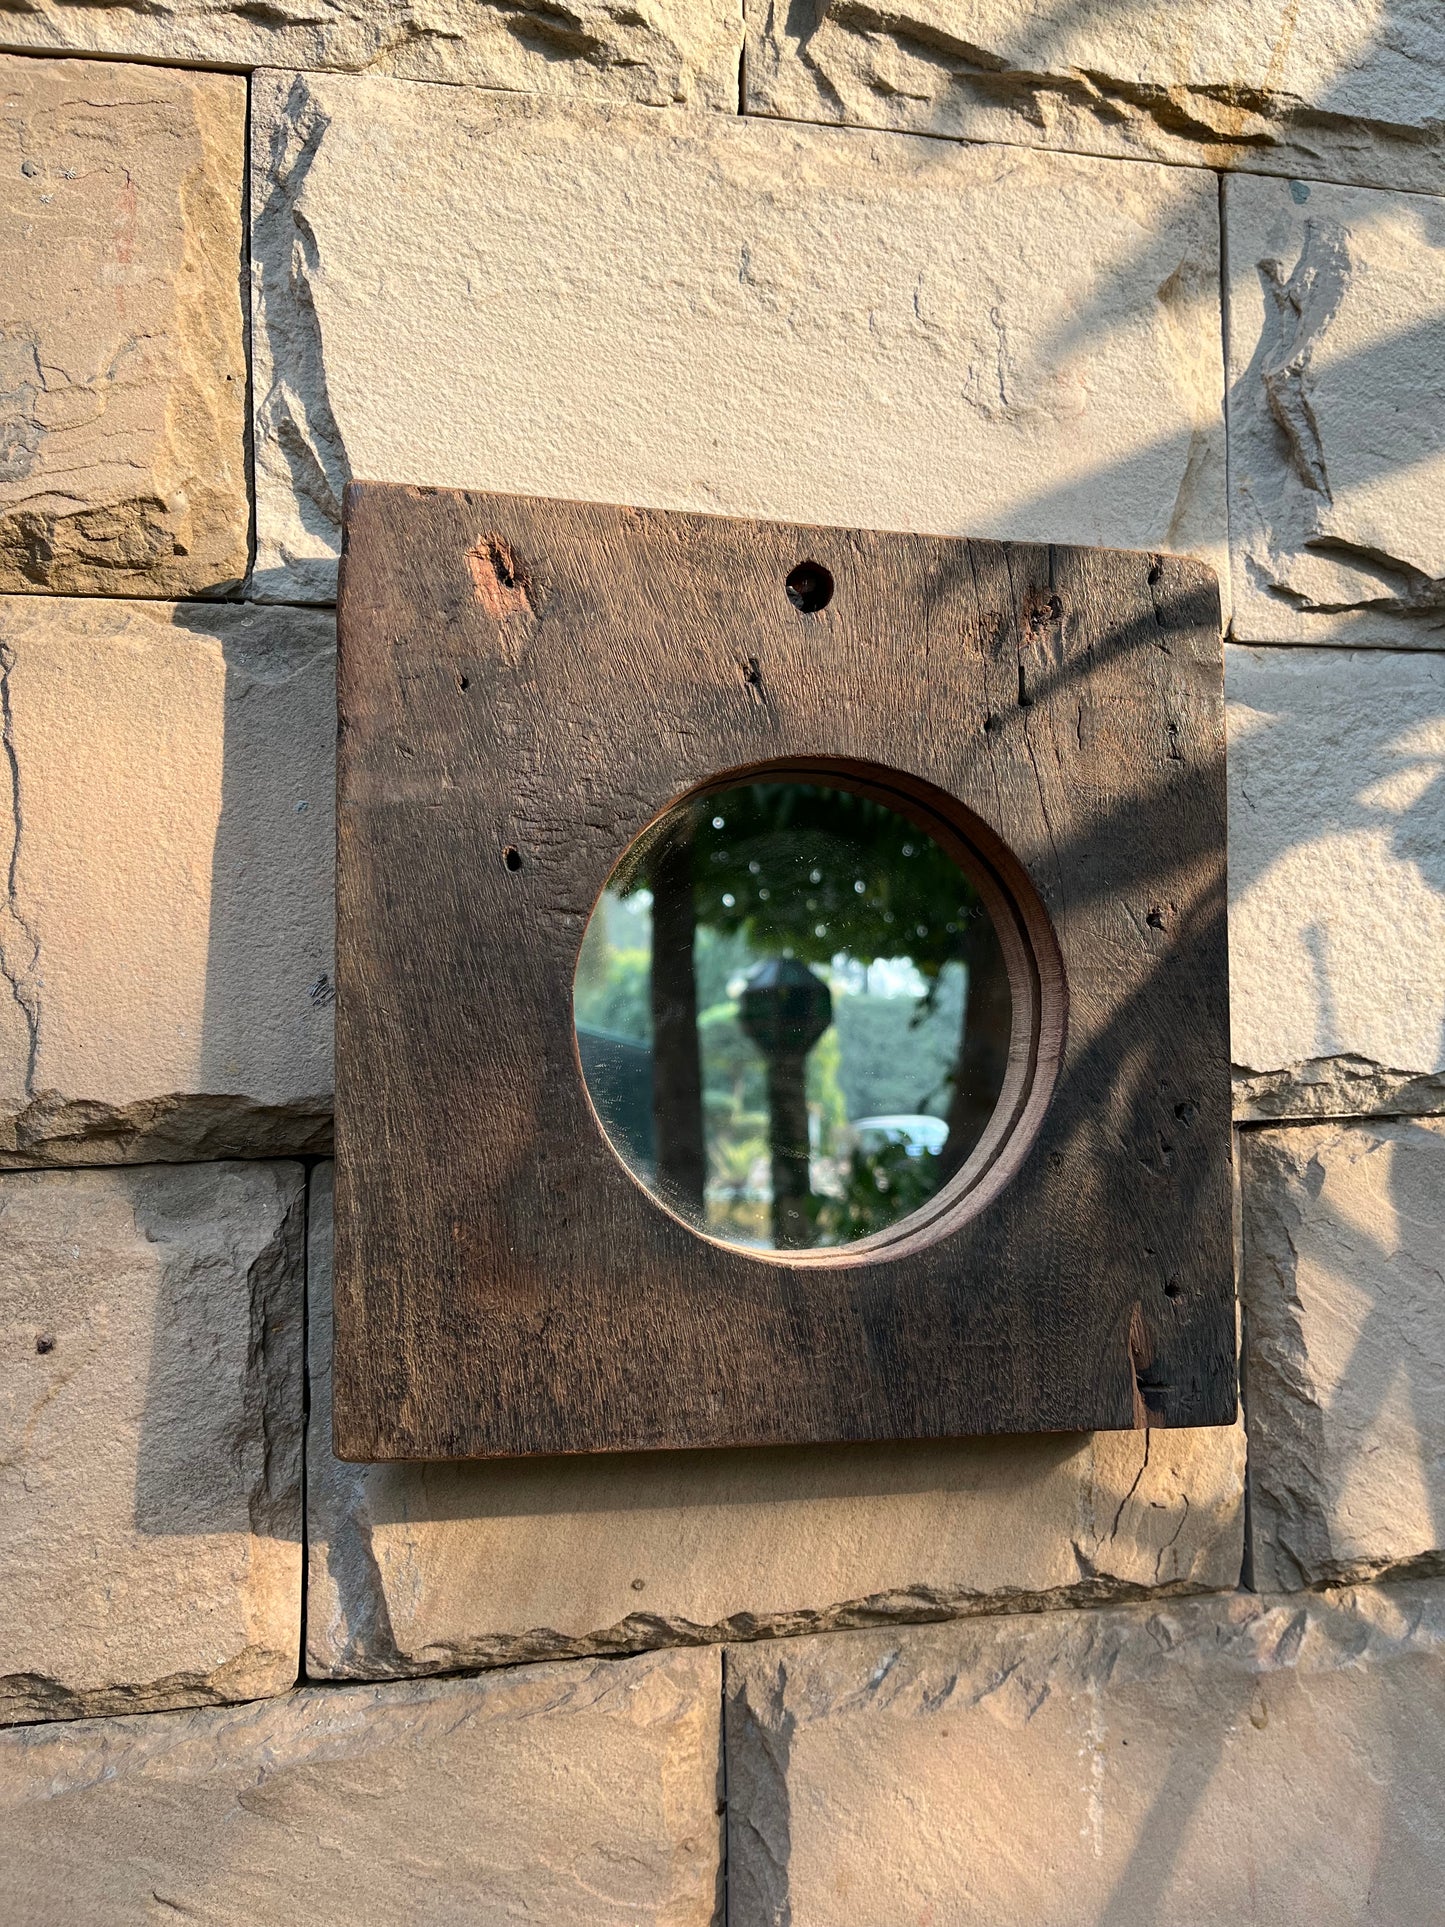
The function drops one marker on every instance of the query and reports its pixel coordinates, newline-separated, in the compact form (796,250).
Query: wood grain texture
(545,678)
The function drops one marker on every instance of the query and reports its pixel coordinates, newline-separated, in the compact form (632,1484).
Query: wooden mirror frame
(523,687)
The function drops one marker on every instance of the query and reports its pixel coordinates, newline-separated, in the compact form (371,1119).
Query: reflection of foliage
(814,872)
(879,1187)
(898,1056)
(825,1093)
(718,957)
(735,1110)
(732,1067)
(612,992)
(809,870)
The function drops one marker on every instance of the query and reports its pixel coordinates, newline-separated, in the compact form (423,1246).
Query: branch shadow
(1113,1057)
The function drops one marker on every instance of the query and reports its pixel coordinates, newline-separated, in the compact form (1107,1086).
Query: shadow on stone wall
(1401,802)
(265,1067)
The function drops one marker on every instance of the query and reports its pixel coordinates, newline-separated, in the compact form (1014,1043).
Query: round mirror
(793,1014)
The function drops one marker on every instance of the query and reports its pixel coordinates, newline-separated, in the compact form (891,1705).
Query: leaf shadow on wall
(362,1514)
(1397,801)
(398,1493)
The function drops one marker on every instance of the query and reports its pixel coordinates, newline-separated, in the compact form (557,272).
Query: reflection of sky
(884,977)
(847,977)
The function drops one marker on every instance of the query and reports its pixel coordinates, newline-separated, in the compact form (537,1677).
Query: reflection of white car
(916,1132)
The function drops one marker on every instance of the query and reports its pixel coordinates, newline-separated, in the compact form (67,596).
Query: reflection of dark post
(982,1049)
(785,1009)
(676,1059)
(788,1142)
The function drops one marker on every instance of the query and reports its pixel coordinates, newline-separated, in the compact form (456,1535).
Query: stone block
(420,1568)
(1337,413)
(659,52)
(1344,1292)
(168,932)
(122,339)
(1229,1761)
(570,1795)
(693,311)
(150,1437)
(1356,93)
(1337,880)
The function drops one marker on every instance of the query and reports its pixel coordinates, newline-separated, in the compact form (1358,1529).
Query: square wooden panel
(524,686)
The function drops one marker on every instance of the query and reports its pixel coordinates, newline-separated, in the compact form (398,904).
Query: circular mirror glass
(793,1014)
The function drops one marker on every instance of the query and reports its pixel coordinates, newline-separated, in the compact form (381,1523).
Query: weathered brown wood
(524,686)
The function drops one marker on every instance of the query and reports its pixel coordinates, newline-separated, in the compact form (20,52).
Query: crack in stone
(295,418)
(1304,303)
(19,971)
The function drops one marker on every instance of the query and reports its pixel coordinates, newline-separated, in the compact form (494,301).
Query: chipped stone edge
(276,1368)
(300,460)
(181,1127)
(652,1632)
(258,37)
(255,1673)
(1362,626)
(1291,1535)
(1270,1632)
(1220,129)
(1344,1087)
(178,1128)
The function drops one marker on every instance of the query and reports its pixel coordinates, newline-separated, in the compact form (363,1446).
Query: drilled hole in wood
(810,588)
(512,857)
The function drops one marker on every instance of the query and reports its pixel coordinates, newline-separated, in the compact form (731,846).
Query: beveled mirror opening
(807,1012)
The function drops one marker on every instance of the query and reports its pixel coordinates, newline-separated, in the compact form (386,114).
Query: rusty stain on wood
(500,582)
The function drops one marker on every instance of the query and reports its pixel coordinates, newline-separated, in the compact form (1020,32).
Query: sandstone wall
(1168,277)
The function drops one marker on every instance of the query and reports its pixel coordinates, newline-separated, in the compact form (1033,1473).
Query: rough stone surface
(683,310)
(419,1568)
(1354,93)
(572,1795)
(122,345)
(150,1437)
(656,51)
(1337,880)
(1228,1761)
(1337,413)
(1345,1301)
(166,937)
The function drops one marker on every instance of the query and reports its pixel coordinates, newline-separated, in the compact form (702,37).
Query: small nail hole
(810,588)
(512,857)
(1172,1288)
(45,1343)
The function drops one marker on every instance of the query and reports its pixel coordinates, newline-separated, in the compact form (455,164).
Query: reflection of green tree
(880,1187)
(718,958)
(809,871)
(896,1057)
(825,1090)
(784,862)
(735,1105)
(612,991)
